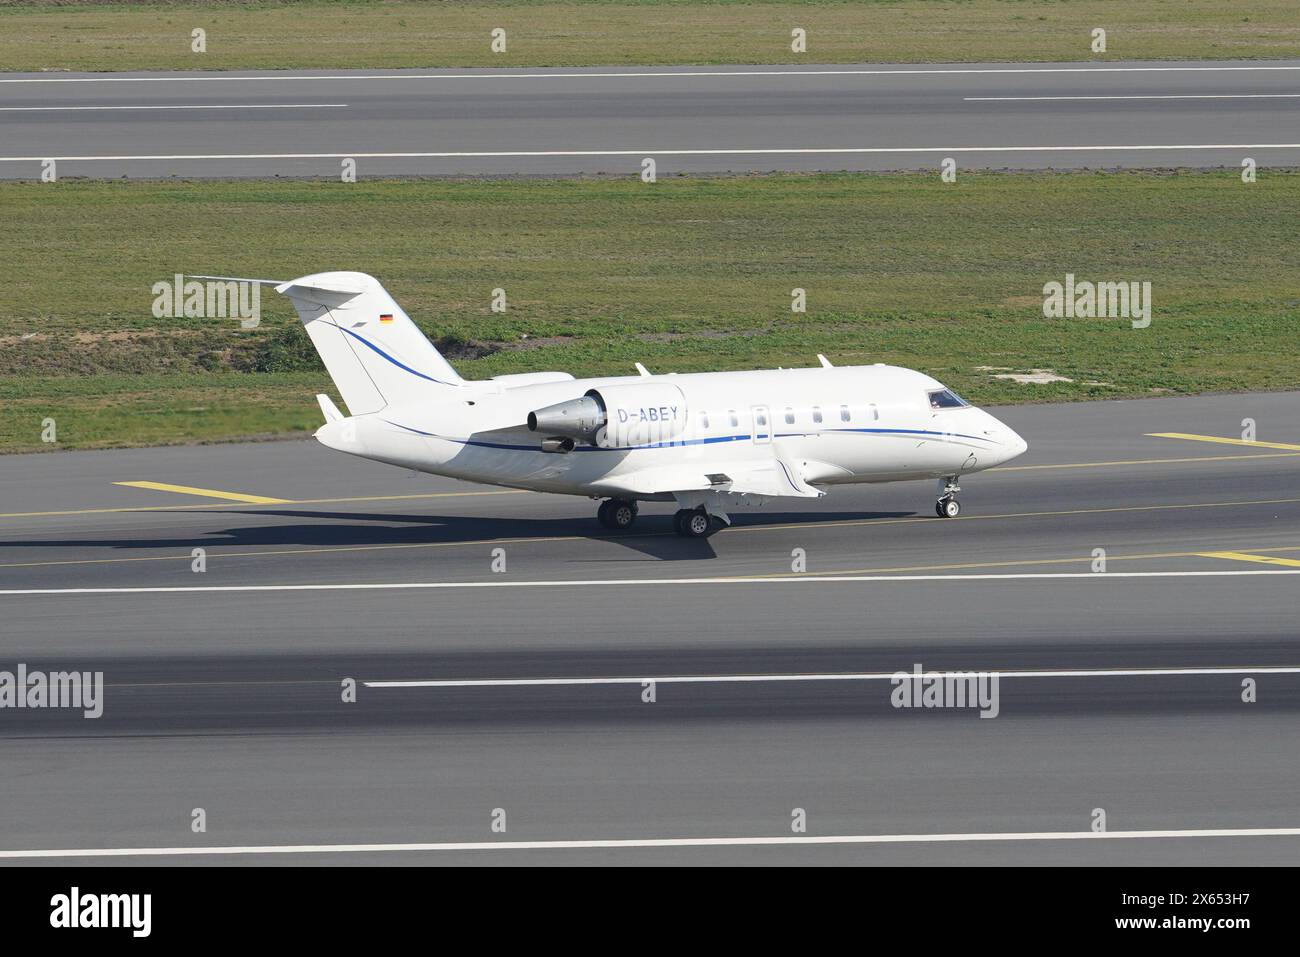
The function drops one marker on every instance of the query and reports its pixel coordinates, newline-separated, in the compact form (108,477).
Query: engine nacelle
(640,414)
(578,419)
(617,416)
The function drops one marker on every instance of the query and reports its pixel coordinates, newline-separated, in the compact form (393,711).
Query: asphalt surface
(231,700)
(689,119)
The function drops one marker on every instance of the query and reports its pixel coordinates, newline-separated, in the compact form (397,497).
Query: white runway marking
(840,676)
(589,582)
(1170,96)
(192,106)
(660,74)
(775,151)
(792,841)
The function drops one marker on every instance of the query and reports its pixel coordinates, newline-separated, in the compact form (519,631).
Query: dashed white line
(1169,96)
(832,676)
(188,106)
(655,74)
(781,841)
(775,151)
(591,582)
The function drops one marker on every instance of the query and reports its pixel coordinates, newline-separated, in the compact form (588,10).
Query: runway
(688,119)
(231,700)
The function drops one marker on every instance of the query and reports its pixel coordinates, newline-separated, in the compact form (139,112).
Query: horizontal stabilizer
(325,293)
(261,282)
(320,293)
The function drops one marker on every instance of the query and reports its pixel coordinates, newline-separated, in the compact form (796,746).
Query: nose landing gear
(948,506)
(617,514)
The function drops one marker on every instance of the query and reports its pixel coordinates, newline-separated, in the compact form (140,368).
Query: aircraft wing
(773,479)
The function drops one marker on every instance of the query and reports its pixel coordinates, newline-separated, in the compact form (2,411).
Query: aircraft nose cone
(1009,444)
(1015,445)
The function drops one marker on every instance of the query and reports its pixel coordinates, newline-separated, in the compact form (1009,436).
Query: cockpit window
(946,399)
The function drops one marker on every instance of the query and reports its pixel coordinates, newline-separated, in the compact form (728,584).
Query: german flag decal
(386,318)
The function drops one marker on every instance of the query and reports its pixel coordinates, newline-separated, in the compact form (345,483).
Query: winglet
(328,408)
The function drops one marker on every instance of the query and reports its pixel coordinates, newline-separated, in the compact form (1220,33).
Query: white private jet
(707,441)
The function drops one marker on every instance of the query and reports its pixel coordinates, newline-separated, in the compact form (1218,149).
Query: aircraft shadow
(653,536)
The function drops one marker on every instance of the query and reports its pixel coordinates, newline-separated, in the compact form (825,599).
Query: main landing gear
(948,506)
(696,523)
(617,514)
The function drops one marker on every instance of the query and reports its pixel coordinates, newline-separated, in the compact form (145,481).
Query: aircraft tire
(695,523)
(617,514)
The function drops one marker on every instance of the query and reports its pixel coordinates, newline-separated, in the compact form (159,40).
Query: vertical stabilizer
(372,350)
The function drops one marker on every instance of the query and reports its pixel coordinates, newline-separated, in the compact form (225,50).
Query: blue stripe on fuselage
(711,440)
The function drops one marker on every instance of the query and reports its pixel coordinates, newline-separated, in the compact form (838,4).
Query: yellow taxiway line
(1223,441)
(207,493)
(805,526)
(1121,462)
(1247,557)
(855,522)
(230,497)
(1021,562)
(188,507)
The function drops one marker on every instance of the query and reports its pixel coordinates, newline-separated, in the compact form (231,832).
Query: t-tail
(372,350)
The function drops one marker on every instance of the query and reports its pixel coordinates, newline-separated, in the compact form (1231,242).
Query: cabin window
(844,414)
(817,413)
(946,399)
(875,413)
(760,417)
(735,421)
(704,421)
(789,416)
